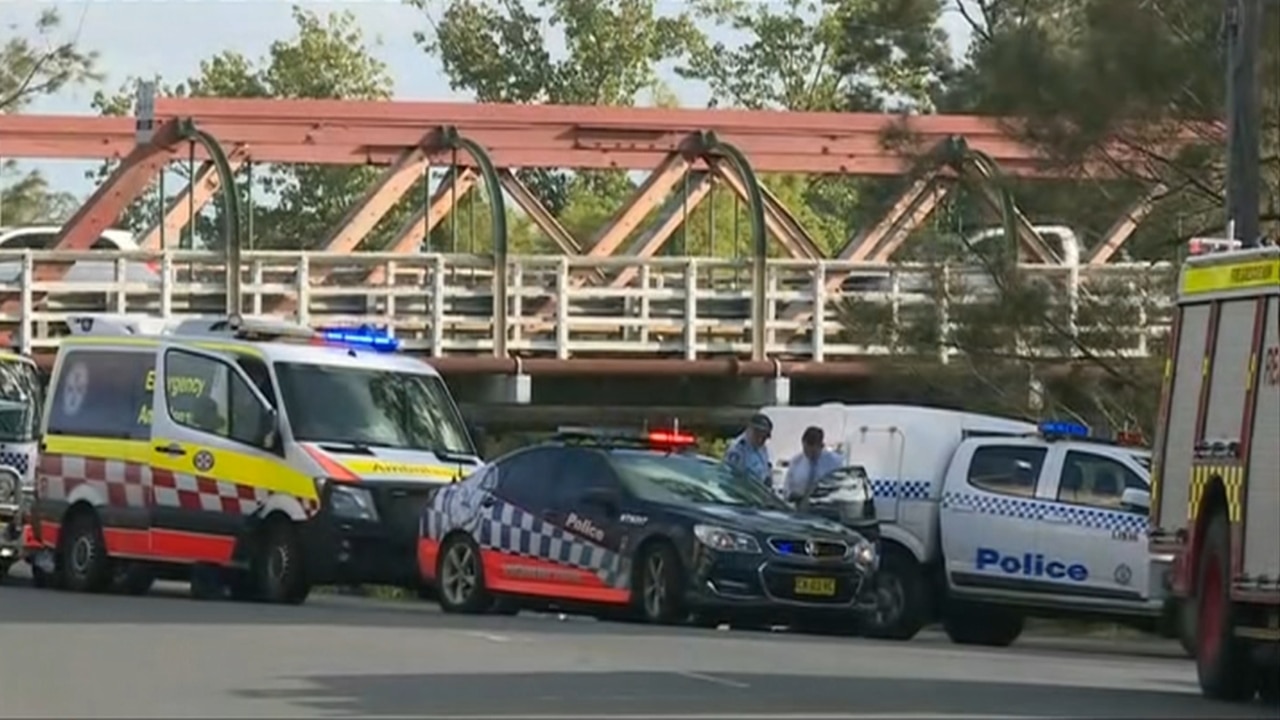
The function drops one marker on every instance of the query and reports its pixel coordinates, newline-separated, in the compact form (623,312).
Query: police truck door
(208,464)
(989,513)
(1085,519)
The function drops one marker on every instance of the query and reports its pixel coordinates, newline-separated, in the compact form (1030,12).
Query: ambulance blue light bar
(366,337)
(1063,428)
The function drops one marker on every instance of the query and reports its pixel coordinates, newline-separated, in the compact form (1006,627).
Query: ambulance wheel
(460,577)
(278,569)
(85,565)
(977,625)
(902,602)
(1223,663)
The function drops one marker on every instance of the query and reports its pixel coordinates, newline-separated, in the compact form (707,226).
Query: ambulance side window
(205,395)
(260,375)
(1007,469)
(1095,480)
(103,393)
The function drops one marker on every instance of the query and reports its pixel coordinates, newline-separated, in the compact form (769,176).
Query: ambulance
(1216,483)
(985,521)
(252,457)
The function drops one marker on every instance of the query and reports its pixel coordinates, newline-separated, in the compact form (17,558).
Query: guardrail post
(122,292)
(255,277)
(166,284)
(944,315)
(710,144)
(895,309)
(562,307)
(818,331)
(517,303)
(646,280)
(691,309)
(389,310)
(26,325)
(437,306)
(304,289)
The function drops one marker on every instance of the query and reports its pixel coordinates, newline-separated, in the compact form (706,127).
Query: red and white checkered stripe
(124,484)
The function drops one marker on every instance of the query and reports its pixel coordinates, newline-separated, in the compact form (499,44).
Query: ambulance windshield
(376,408)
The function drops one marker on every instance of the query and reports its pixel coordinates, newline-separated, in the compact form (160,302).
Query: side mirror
(606,499)
(270,428)
(1136,500)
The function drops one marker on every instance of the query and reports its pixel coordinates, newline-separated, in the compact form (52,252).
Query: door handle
(171,449)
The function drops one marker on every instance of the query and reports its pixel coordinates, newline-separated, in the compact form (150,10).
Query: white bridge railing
(571,306)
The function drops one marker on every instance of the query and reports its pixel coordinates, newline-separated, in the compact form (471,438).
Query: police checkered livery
(901,489)
(509,529)
(1027,509)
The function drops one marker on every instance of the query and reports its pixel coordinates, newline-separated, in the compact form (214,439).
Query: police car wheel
(899,590)
(279,570)
(460,577)
(660,597)
(85,565)
(1223,663)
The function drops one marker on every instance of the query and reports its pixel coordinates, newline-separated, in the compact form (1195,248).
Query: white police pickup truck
(986,520)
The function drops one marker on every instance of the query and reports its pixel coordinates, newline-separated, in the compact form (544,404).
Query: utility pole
(1244,36)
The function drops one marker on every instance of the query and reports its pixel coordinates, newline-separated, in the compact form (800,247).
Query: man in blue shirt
(747,453)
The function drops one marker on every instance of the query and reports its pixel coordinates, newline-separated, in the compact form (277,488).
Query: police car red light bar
(1130,438)
(1200,246)
(670,437)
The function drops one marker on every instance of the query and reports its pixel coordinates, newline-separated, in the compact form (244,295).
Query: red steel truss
(406,138)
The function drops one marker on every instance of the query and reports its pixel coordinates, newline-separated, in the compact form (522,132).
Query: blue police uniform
(752,461)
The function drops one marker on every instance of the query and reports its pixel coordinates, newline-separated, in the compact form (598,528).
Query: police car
(986,520)
(633,524)
(249,455)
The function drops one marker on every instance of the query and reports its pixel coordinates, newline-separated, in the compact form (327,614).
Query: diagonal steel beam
(378,200)
(538,212)
(670,218)
(1028,238)
(865,243)
(795,246)
(408,238)
(649,195)
(1122,230)
(198,193)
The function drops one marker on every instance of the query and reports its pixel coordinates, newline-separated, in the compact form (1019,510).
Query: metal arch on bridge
(703,147)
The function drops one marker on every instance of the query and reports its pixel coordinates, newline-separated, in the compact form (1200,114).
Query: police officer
(748,454)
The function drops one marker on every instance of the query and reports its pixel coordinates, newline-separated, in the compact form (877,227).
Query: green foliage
(32,67)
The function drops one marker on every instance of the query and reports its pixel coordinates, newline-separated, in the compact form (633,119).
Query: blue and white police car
(985,520)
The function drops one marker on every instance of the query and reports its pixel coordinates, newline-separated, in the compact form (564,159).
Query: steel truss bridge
(604,297)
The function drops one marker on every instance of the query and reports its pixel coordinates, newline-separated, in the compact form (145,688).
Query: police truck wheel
(85,565)
(280,576)
(659,595)
(977,625)
(460,577)
(902,602)
(1223,663)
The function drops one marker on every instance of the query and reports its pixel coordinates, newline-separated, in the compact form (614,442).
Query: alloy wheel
(459,577)
(655,586)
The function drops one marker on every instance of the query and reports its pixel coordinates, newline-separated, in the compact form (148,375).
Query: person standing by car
(748,453)
(813,463)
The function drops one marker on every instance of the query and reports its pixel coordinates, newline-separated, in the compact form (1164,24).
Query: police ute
(986,520)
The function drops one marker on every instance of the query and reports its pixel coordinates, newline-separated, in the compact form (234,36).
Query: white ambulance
(987,520)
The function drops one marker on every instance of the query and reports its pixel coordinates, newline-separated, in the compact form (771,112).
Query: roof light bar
(1063,428)
(654,438)
(364,336)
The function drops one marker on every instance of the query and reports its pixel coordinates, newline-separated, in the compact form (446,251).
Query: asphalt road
(66,655)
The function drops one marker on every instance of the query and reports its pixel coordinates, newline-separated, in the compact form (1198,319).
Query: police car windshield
(379,408)
(674,478)
(19,400)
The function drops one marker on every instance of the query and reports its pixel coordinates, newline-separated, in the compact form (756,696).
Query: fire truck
(1216,476)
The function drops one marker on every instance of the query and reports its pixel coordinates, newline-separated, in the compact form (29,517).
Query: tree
(294,205)
(30,68)
(499,52)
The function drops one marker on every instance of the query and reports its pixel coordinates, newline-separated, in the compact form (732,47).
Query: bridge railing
(565,307)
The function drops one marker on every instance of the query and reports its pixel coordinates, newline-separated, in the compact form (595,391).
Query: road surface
(67,655)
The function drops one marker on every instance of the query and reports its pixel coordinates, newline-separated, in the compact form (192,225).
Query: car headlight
(352,503)
(865,554)
(725,540)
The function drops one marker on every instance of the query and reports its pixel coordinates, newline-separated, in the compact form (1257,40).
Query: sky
(143,38)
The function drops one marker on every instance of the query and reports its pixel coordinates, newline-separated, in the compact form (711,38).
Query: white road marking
(712,679)
(491,637)
(725,716)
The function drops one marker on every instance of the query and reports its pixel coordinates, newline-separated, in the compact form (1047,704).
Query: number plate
(822,586)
